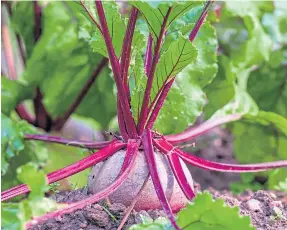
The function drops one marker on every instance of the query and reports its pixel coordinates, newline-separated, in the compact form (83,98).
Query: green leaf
(35,179)
(187,97)
(258,45)
(16,215)
(16,151)
(12,93)
(12,142)
(138,82)
(263,142)
(278,180)
(159,224)
(257,48)
(268,86)
(155,17)
(100,101)
(62,62)
(248,8)
(275,23)
(22,22)
(9,219)
(183,105)
(221,90)
(180,53)
(204,69)
(116,27)
(206,213)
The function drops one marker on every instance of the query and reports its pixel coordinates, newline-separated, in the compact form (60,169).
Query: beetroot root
(104,173)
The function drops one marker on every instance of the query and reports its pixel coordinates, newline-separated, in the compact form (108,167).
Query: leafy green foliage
(186,98)
(278,180)
(158,224)
(15,151)
(221,90)
(137,84)
(12,93)
(116,27)
(155,17)
(203,213)
(22,22)
(62,53)
(251,80)
(15,215)
(267,85)
(206,213)
(179,54)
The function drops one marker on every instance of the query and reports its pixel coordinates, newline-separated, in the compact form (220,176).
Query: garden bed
(264,207)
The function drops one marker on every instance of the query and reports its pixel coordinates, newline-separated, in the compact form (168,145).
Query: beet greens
(171,50)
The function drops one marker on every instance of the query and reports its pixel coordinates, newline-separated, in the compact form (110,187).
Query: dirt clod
(117,209)
(97,217)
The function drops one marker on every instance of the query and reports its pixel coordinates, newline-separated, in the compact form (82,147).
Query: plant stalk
(130,124)
(145,104)
(176,167)
(148,55)
(220,167)
(69,170)
(9,56)
(126,49)
(150,158)
(200,21)
(68,142)
(159,103)
(195,131)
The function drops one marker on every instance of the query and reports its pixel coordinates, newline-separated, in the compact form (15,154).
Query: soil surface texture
(268,211)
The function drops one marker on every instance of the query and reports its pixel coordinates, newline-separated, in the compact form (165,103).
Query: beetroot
(104,173)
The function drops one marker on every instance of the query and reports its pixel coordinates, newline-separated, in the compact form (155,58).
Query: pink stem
(148,54)
(7,46)
(116,70)
(59,123)
(200,21)
(159,104)
(69,170)
(69,142)
(91,17)
(132,149)
(193,132)
(176,167)
(150,158)
(24,114)
(37,20)
(121,121)
(129,157)
(235,168)
(145,104)
(9,56)
(126,49)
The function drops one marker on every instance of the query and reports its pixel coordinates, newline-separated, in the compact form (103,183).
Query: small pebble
(253,205)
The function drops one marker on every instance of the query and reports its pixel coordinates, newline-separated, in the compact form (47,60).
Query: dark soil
(268,211)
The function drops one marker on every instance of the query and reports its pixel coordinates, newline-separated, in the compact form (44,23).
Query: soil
(268,210)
